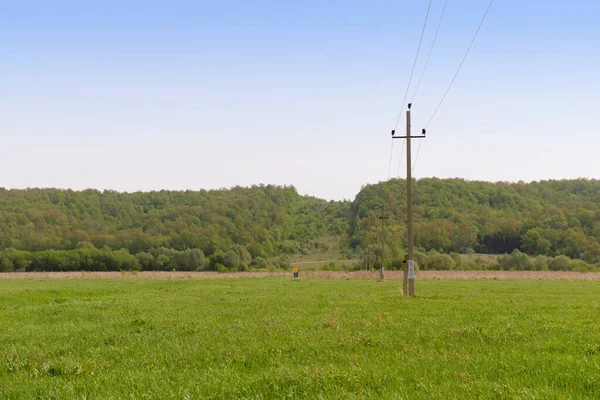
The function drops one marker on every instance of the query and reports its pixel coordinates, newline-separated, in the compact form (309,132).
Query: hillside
(260,226)
(256,222)
(453,215)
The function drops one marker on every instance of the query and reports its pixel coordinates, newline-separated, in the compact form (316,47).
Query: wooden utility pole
(368,240)
(366,253)
(409,266)
(382,217)
(408,282)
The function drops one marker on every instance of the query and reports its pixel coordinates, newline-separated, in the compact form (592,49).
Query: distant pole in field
(408,281)
(382,217)
(367,250)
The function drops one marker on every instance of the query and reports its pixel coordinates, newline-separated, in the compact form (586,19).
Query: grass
(317,258)
(318,255)
(310,338)
(315,265)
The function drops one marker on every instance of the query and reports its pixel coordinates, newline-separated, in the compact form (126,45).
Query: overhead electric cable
(455,75)
(417,156)
(461,64)
(409,82)
(430,51)
(413,67)
(401,157)
(391,157)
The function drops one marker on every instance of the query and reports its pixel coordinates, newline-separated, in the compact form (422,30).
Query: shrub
(581,266)
(6,265)
(259,262)
(516,261)
(146,260)
(540,263)
(332,266)
(437,261)
(458,260)
(221,268)
(560,263)
(397,264)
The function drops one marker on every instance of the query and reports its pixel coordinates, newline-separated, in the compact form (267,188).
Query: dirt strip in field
(452,275)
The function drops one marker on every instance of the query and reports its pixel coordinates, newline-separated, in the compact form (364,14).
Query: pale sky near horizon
(200,95)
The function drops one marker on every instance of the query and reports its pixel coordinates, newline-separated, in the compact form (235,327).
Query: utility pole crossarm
(421,136)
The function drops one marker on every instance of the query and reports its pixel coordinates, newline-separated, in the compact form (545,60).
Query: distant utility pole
(368,248)
(409,265)
(382,217)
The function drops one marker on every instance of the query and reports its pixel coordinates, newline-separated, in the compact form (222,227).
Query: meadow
(275,337)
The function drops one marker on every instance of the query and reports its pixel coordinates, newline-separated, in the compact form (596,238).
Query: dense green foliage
(274,338)
(434,260)
(516,261)
(548,218)
(69,230)
(258,227)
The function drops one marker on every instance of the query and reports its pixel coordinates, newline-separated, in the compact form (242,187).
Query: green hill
(262,226)
(260,221)
(453,215)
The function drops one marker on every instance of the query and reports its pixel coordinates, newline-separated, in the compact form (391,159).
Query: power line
(391,155)
(455,75)
(417,156)
(401,156)
(413,67)
(430,51)
(409,82)
(461,63)
(437,31)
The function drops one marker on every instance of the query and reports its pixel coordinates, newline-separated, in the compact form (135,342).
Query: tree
(244,255)
(574,243)
(231,259)
(6,265)
(146,260)
(516,261)
(85,245)
(268,247)
(533,242)
(560,263)
(437,261)
(189,260)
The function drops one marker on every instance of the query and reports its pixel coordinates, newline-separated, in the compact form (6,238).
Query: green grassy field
(318,258)
(311,265)
(279,338)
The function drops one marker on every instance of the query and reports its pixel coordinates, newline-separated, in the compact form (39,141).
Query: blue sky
(188,95)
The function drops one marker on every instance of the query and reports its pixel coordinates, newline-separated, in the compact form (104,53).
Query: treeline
(151,230)
(266,220)
(436,261)
(88,258)
(516,261)
(548,218)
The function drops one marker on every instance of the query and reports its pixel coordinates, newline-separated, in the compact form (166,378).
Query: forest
(548,218)
(238,228)
(263,225)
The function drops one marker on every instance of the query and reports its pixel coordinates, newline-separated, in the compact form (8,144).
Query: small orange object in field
(296,271)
